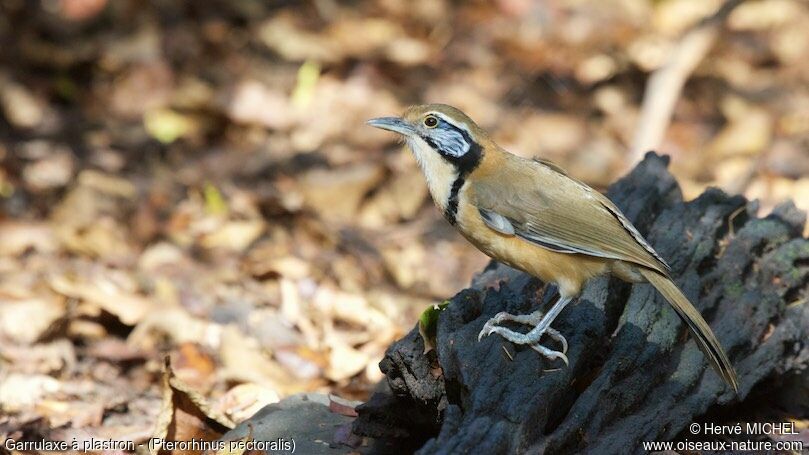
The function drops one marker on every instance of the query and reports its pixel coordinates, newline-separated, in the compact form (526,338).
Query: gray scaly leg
(541,324)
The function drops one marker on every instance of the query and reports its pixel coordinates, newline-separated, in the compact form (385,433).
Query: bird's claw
(519,338)
(500,317)
(488,328)
(550,353)
(490,325)
(558,337)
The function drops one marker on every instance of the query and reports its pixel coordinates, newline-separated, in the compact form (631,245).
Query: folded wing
(561,214)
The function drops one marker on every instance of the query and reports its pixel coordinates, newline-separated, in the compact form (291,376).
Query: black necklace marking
(465,164)
(451,212)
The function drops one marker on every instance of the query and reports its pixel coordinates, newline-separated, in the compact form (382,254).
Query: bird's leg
(553,293)
(528,319)
(541,325)
(533,319)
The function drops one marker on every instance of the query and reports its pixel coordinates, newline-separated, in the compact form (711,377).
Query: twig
(510,357)
(665,84)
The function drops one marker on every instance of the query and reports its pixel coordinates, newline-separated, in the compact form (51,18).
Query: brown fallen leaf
(21,107)
(115,350)
(89,220)
(244,400)
(244,360)
(399,199)
(44,358)
(145,85)
(185,415)
(303,362)
(105,238)
(284,35)
(108,185)
(80,10)
(336,193)
(254,103)
(177,325)
(25,319)
(52,171)
(345,361)
(74,412)
(234,235)
(21,236)
(341,408)
(22,391)
(749,131)
(106,294)
(194,365)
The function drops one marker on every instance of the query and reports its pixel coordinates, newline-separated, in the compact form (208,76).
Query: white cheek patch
(450,142)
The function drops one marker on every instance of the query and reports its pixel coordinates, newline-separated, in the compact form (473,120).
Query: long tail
(706,340)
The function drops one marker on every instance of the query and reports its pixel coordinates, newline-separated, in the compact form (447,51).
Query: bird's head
(434,131)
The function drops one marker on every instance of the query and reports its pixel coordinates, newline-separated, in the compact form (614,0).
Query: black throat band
(451,211)
(465,164)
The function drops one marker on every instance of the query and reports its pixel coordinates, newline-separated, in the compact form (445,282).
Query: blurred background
(197,179)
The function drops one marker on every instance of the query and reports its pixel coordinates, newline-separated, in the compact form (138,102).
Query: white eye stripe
(448,120)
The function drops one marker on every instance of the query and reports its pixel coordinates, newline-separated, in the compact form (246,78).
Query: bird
(531,215)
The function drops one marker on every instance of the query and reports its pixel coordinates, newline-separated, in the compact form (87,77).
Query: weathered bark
(634,375)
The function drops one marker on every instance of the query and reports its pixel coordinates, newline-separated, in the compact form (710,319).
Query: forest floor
(196,179)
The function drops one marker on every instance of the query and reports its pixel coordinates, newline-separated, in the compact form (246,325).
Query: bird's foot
(532,319)
(531,338)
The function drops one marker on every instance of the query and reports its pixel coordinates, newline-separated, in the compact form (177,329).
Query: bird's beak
(395,124)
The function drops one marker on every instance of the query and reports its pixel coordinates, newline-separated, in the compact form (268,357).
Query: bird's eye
(430,121)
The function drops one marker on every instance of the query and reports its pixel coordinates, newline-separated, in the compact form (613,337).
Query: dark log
(634,375)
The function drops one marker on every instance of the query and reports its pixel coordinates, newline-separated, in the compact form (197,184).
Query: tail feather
(703,334)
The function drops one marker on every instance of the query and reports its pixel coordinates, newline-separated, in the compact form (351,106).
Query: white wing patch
(497,221)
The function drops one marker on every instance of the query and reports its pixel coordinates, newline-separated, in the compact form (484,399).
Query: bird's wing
(543,206)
